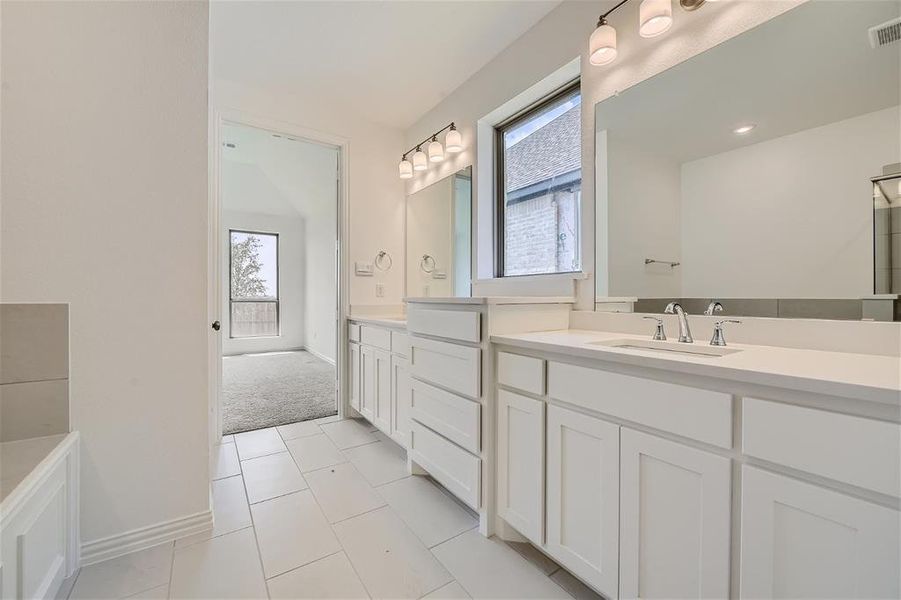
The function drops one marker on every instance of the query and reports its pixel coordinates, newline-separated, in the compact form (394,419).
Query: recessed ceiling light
(744,129)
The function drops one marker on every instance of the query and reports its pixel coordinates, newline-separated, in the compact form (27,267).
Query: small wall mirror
(439,238)
(748,173)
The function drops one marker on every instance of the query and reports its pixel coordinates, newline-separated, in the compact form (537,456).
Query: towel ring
(380,260)
(427,264)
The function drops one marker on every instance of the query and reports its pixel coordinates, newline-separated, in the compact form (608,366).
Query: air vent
(885,34)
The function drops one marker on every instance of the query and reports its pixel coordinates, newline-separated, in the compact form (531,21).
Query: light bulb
(420,162)
(654,17)
(405,168)
(436,151)
(744,129)
(453,141)
(602,44)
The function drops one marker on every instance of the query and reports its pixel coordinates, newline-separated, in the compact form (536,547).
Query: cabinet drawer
(855,450)
(454,468)
(375,336)
(353,332)
(400,343)
(451,324)
(521,372)
(454,367)
(694,413)
(456,418)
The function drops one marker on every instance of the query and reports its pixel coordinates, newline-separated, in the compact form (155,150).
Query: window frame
(278,283)
(529,111)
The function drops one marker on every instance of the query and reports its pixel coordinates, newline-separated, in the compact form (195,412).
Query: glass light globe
(602,45)
(436,151)
(405,169)
(654,17)
(420,161)
(453,141)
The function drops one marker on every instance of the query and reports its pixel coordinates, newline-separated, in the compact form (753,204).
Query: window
(253,284)
(539,187)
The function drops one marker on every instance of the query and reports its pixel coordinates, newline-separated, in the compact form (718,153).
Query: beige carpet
(265,390)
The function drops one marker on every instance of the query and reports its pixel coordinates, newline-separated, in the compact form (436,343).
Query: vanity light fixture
(453,143)
(744,129)
(602,44)
(654,17)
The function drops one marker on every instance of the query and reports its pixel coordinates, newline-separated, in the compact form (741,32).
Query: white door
(382,405)
(401,399)
(355,380)
(368,388)
(520,463)
(583,496)
(674,520)
(799,540)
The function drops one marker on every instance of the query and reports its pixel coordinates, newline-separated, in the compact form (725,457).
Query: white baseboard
(331,361)
(145,537)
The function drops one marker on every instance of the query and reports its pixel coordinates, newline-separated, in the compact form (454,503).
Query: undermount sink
(696,349)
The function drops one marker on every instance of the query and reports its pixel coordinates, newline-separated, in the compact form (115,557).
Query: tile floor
(325,509)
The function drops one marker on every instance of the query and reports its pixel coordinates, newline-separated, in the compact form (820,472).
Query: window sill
(543,277)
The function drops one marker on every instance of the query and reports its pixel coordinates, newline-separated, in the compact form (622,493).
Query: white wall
(375,193)
(292,287)
(430,231)
(643,221)
(104,186)
(557,39)
(790,217)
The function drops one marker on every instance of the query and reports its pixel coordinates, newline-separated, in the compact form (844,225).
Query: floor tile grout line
(306,564)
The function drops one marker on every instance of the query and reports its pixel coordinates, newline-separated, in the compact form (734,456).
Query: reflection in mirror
(439,238)
(747,172)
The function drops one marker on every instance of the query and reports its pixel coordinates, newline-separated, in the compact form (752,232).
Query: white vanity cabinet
(379,378)
(674,519)
(637,485)
(583,496)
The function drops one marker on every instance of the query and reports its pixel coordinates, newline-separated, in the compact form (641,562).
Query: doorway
(279,286)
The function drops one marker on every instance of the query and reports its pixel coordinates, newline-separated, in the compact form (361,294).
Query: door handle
(216,325)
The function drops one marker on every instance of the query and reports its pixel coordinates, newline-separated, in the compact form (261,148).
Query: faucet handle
(659,333)
(713,307)
(719,338)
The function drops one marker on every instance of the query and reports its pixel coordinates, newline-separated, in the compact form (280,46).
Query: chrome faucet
(659,333)
(674,308)
(713,307)
(719,338)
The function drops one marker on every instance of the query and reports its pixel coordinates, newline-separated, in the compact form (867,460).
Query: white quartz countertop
(873,378)
(493,300)
(395,321)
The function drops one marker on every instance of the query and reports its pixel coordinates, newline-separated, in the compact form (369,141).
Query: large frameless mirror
(439,238)
(763,172)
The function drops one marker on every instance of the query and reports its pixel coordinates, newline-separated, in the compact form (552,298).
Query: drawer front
(353,332)
(521,372)
(454,468)
(694,413)
(400,343)
(457,368)
(452,324)
(375,336)
(858,451)
(456,418)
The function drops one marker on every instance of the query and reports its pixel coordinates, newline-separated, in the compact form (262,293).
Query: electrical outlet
(380,290)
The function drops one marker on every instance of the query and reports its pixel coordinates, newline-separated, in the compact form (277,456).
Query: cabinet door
(674,528)
(583,496)
(382,404)
(367,381)
(355,382)
(520,463)
(401,398)
(799,540)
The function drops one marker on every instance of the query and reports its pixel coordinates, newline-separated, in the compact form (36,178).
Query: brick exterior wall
(541,234)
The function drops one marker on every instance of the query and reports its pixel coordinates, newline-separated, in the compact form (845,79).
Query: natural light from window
(253,277)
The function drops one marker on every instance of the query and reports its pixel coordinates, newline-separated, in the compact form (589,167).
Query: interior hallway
(325,509)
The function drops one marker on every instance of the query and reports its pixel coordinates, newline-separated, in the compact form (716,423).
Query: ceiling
(390,62)
(808,67)
(273,174)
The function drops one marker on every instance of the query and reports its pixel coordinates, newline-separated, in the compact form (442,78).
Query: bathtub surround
(34,370)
